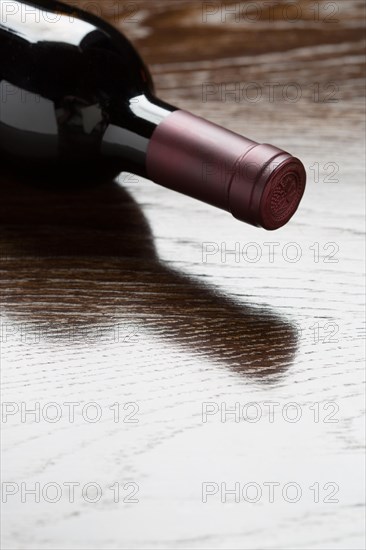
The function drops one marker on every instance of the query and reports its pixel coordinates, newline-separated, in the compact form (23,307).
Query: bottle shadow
(86,257)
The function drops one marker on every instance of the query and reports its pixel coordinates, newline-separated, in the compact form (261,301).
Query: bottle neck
(258,183)
(127,136)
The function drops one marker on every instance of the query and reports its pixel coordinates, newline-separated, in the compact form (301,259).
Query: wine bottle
(76,100)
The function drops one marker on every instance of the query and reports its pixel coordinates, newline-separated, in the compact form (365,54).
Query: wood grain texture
(107,296)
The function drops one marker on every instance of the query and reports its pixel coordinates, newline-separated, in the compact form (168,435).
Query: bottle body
(75,95)
(78,103)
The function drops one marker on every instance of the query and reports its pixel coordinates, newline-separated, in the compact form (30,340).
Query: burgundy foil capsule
(258,183)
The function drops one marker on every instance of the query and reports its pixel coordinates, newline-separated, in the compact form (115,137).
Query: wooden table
(156,315)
